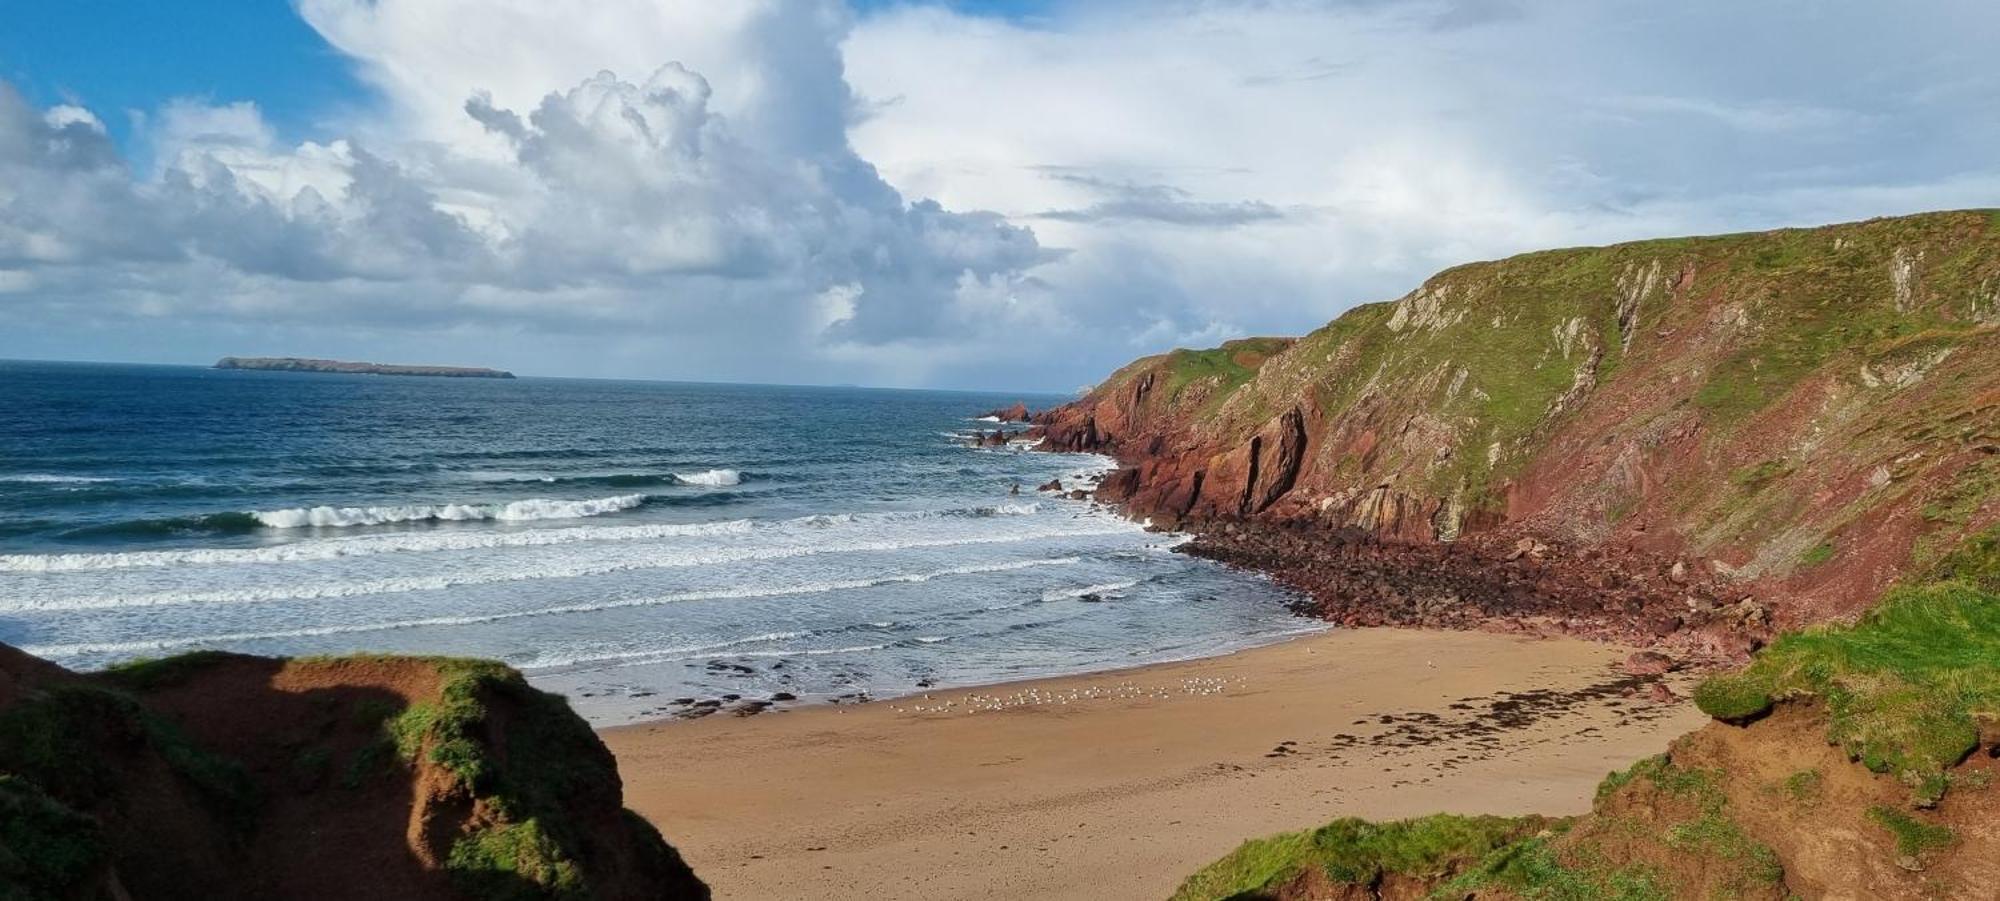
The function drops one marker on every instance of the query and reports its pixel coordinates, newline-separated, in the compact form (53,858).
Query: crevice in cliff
(1244,503)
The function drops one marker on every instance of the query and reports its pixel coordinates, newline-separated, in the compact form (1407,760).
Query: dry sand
(1118,784)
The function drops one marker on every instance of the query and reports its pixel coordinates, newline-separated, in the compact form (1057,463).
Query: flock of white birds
(978,702)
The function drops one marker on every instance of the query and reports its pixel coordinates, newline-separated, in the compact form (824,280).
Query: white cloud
(781,190)
(1222,168)
(509,182)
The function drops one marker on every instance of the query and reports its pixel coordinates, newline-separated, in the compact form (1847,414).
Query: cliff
(302,364)
(1693,441)
(1853,762)
(219,776)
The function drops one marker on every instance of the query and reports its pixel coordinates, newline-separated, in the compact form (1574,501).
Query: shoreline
(1121,782)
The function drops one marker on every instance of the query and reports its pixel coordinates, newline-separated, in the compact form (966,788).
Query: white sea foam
(516,511)
(743,593)
(1058,594)
(641,558)
(35,478)
(362,546)
(714,478)
(368,545)
(507,475)
(641,658)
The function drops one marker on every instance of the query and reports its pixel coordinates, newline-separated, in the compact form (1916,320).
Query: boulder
(1016,413)
(1648,663)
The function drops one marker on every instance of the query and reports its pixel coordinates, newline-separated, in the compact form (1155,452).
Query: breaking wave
(516,511)
(431,542)
(1058,594)
(714,478)
(645,558)
(746,593)
(35,478)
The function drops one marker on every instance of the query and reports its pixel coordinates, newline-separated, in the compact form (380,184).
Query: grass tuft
(1357,852)
(514,862)
(1914,837)
(1804,786)
(1904,688)
(1533,869)
(547,758)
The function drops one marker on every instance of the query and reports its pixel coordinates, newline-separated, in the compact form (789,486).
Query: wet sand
(1118,784)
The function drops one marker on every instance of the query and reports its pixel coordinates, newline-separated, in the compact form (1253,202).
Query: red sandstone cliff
(1673,434)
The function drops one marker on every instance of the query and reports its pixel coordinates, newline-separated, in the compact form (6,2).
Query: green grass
(1914,837)
(1804,786)
(71,740)
(1357,852)
(1655,768)
(1754,478)
(1532,869)
(1256,867)
(1230,366)
(367,762)
(47,850)
(1711,832)
(1976,561)
(514,861)
(1903,688)
(550,761)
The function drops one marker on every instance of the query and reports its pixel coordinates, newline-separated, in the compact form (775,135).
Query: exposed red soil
(1809,501)
(331,811)
(317,837)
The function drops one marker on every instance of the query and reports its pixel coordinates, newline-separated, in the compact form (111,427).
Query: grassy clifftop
(1815,409)
(1853,767)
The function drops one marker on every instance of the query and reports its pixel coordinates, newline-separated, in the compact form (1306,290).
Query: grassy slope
(1797,358)
(1908,691)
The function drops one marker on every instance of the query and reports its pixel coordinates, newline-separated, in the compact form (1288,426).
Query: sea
(626,543)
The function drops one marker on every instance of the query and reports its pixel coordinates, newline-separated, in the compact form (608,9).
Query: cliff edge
(219,776)
(1845,762)
(1694,441)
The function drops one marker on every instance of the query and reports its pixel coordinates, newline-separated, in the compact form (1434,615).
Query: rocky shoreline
(1488,583)
(1499,580)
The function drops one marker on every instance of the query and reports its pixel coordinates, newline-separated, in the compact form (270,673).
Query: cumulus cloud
(647,203)
(786,190)
(1220,168)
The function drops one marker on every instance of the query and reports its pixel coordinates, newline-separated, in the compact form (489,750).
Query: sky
(1007,194)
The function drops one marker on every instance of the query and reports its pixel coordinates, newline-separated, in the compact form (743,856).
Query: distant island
(301,364)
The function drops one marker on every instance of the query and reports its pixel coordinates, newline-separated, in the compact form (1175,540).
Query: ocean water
(622,542)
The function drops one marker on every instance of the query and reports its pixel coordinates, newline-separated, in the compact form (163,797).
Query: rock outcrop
(1792,417)
(220,776)
(1016,413)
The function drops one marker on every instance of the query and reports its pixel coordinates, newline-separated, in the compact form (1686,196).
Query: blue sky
(130,56)
(122,56)
(1019,194)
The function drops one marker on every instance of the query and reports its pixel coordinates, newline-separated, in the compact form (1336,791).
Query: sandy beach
(1118,784)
